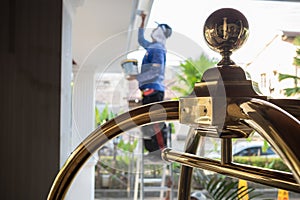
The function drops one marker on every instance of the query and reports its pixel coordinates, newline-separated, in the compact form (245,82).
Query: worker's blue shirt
(153,65)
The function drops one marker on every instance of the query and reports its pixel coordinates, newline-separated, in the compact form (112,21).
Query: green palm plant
(103,116)
(220,188)
(290,91)
(296,89)
(192,71)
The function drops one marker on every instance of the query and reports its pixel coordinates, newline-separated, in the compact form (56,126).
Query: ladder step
(157,188)
(152,180)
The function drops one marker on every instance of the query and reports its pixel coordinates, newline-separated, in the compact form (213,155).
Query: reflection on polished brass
(226,30)
(194,111)
(167,110)
(186,173)
(226,151)
(262,116)
(292,106)
(225,106)
(278,127)
(215,112)
(268,177)
(209,115)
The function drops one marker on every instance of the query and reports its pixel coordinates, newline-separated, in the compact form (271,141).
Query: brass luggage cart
(224,105)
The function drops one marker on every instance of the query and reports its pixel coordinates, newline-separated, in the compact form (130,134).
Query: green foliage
(128,147)
(105,115)
(290,91)
(123,162)
(297,57)
(287,76)
(297,41)
(261,161)
(219,187)
(295,90)
(172,127)
(192,71)
(265,146)
(222,187)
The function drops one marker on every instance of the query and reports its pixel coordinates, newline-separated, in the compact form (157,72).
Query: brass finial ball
(226,30)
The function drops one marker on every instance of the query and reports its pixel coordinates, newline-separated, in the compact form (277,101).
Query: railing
(108,131)
(259,114)
(224,106)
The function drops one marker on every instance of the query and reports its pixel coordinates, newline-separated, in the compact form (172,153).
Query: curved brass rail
(268,177)
(162,111)
(277,126)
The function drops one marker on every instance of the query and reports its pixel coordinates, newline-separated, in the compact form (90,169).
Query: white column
(83,110)
(77,117)
(66,95)
(83,106)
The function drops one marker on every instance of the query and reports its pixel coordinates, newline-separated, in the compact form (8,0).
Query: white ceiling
(101,35)
(104,31)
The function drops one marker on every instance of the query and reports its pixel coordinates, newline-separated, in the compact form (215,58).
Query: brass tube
(269,177)
(186,172)
(160,111)
(226,150)
(277,126)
